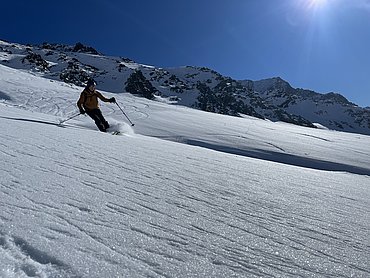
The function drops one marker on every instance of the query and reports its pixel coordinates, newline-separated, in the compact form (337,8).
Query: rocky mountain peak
(270,84)
(197,87)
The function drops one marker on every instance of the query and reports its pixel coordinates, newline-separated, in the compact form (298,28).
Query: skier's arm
(80,102)
(103,98)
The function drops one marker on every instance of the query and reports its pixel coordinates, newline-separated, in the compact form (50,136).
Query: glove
(82,111)
(112,100)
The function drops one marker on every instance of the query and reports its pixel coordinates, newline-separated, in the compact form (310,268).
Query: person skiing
(88,103)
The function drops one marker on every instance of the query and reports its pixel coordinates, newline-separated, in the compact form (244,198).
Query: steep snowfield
(281,142)
(75,202)
(272,98)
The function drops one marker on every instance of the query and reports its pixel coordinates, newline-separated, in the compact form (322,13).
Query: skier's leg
(102,119)
(94,114)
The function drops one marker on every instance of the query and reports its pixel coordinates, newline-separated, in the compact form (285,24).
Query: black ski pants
(98,118)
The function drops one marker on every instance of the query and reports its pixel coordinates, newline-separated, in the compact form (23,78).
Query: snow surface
(219,197)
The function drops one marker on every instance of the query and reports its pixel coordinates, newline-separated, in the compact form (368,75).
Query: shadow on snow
(284,158)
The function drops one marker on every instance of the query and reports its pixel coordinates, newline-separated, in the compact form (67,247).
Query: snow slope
(200,87)
(241,197)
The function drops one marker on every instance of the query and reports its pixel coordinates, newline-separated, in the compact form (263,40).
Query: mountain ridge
(197,87)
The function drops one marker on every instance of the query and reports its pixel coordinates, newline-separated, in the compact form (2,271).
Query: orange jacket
(89,100)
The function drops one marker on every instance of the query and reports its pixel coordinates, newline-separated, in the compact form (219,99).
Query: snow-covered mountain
(331,110)
(196,87)
(185,193)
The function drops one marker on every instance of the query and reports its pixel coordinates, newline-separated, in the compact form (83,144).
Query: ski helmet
(90,82)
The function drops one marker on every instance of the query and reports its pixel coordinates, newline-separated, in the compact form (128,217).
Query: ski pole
(74,116)
(125,114)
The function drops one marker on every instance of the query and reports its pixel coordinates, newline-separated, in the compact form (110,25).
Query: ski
(116,132)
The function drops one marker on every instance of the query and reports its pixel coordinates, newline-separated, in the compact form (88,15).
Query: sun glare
(317,3)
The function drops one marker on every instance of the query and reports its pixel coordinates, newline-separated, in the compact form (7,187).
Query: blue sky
(323,45)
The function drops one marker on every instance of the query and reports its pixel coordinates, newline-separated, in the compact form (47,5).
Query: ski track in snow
(89,208)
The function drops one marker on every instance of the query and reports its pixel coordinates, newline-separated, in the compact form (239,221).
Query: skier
(88,103)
